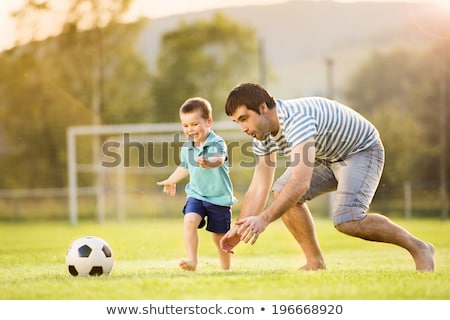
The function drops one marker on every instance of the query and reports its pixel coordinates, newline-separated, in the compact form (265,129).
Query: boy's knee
(192,218)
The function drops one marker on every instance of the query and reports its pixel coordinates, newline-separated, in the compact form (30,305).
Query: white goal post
(229,130)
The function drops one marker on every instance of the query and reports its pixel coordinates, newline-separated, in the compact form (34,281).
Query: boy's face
(195,127)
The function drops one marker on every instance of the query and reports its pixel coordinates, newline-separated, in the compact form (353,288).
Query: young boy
(209,191)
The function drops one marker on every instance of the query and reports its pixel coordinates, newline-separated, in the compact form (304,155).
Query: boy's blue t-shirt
(209,184)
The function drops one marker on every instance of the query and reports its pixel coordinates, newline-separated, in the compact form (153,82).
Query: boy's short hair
(197,103)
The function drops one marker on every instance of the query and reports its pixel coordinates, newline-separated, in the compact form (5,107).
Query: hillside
(299,35)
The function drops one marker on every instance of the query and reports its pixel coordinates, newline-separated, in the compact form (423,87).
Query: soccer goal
(118,151)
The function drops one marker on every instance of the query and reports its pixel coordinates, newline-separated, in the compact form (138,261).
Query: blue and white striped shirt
(338,130)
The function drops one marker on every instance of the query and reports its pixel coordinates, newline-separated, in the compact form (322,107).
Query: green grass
(146,253)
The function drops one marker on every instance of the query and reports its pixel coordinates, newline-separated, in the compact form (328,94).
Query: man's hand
(245,230)
(251,227)
(230,240)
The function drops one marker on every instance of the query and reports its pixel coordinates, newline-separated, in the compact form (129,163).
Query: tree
(432,95)
(49,85)
(120,88)
(385,78)
(37,111)
(29,18)
(403,93)
(203,58)
(400,133)
(95,14)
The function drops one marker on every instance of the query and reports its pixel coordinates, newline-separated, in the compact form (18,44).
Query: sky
(141,8)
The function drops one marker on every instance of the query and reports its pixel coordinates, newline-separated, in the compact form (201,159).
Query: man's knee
(345,227)
(344,214)
(348,223)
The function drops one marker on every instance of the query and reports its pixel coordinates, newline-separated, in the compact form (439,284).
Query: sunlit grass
(147,251)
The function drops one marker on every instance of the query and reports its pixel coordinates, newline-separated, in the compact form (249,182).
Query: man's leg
(358,178)
(376,227)
(300,223)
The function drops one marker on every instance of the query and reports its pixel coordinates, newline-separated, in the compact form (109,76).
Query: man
(330,147)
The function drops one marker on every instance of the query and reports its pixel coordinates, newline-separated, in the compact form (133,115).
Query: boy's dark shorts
(218,217)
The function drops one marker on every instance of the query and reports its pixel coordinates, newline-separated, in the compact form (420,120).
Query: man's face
(252,123)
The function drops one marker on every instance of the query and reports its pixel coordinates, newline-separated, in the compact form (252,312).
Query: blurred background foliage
(92,73)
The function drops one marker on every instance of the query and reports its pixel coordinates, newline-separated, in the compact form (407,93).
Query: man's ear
(263,108)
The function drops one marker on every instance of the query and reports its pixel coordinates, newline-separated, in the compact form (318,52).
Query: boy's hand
(169,188)
(202,162)
(211,162)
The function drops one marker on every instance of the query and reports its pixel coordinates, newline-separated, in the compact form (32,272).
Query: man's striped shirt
(338,130)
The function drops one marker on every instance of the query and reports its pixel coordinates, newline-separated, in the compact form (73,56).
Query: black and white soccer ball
(89,256)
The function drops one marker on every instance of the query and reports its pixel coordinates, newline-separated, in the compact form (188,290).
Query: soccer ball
(89,256)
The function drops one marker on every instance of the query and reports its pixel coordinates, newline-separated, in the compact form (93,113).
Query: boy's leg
(191,222)
(224,257)
(219,221)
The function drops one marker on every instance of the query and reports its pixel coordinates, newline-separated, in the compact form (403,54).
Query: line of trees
(92,73)
(406,94)
(402,93)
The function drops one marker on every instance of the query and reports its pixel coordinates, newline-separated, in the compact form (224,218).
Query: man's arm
(258,192)
(254,200)
(302,162)
(302,165)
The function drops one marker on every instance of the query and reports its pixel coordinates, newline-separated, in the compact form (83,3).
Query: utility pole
(329,64)
(262,62)
(443,115)
(97,106)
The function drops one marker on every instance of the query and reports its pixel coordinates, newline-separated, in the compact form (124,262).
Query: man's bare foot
(424,257)
(188,265)
(313,267)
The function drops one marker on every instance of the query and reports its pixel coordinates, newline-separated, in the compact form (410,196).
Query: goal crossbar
(112,129)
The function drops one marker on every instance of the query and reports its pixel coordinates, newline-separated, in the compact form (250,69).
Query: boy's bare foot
(188,265)
(424,257)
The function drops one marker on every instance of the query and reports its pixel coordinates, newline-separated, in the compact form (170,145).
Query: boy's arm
(211,162)
(170,183)
(215,158)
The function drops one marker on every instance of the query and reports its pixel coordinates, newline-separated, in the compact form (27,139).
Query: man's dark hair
(252,95)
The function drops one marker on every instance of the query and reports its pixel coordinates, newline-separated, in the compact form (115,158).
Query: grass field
(146,252)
